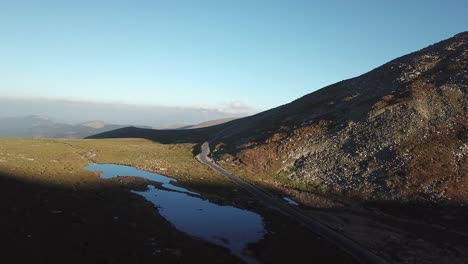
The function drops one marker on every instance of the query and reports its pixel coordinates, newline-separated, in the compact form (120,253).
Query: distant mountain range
(36,126)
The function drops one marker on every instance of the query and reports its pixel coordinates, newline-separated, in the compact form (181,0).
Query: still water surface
(227,226)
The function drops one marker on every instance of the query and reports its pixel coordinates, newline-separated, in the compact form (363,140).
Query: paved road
(361,254)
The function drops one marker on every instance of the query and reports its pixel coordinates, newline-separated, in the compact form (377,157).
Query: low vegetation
(61,161)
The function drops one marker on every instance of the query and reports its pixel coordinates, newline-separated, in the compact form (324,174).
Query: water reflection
(227,226)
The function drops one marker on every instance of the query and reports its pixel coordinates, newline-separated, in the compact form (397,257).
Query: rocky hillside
(398,132)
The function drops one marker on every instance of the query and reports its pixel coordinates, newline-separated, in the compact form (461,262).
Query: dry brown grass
(438,163)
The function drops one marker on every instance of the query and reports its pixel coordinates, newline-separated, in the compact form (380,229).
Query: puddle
(290,201)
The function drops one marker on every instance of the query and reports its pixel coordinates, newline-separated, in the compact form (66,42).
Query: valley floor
(54,211)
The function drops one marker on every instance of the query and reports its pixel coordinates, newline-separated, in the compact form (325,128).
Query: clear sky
(257,54)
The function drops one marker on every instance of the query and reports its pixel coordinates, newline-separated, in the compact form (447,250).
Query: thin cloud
(235,108)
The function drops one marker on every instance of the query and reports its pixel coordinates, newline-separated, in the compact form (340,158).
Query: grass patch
(61,161)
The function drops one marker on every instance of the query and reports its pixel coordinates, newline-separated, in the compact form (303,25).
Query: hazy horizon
(75,112)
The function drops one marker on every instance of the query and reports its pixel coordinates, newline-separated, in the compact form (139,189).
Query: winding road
(361,254)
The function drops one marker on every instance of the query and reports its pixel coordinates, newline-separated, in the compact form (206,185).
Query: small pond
(227,226)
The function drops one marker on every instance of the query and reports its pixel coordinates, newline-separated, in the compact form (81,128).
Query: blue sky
(210,54)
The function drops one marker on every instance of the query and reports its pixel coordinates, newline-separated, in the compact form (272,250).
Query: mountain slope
(396,132)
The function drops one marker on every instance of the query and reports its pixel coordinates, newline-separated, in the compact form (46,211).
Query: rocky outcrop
(399,132)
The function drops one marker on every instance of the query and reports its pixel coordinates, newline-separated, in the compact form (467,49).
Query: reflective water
(227,226)
(113,170)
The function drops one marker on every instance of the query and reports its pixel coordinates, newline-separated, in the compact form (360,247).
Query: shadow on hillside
(182,136)
(195,136)
(105,223)
(447,215)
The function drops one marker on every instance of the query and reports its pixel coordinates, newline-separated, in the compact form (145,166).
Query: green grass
(61,161)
